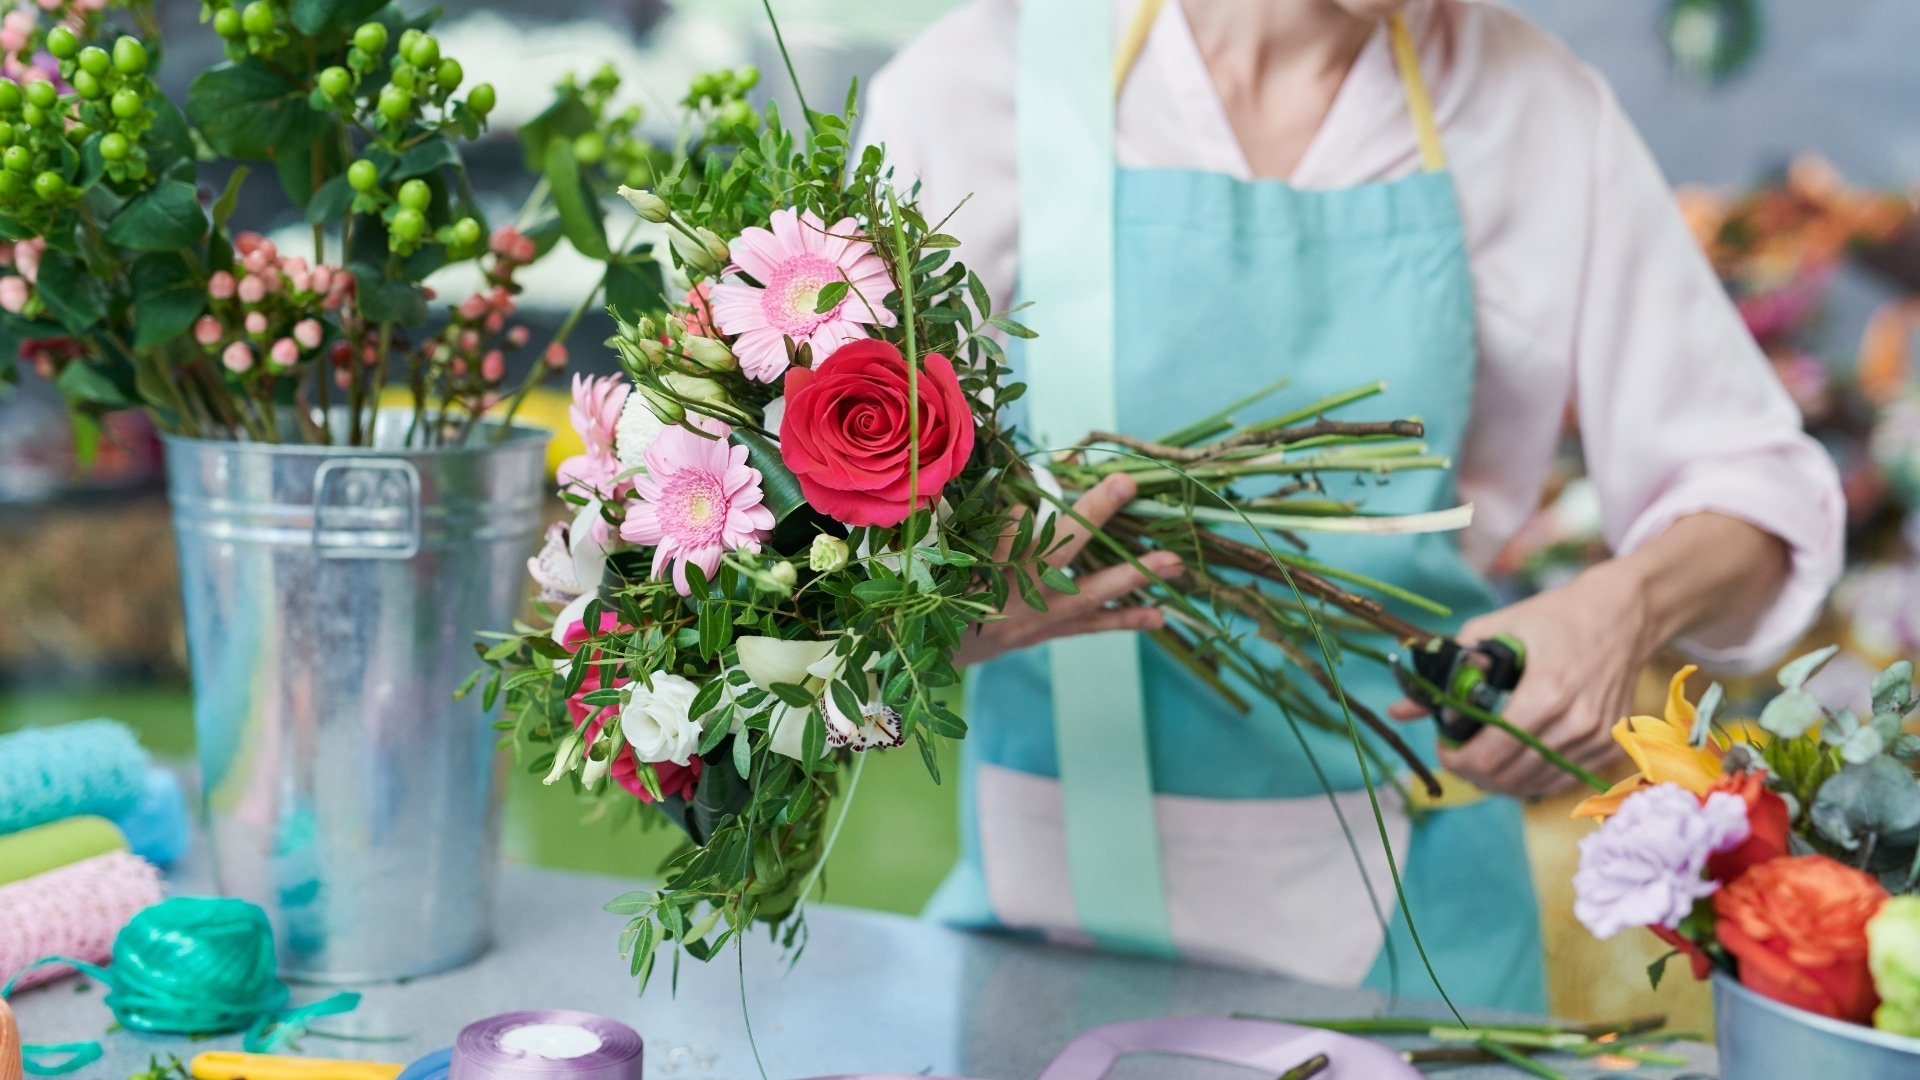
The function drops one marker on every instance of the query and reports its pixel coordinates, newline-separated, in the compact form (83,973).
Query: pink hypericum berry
(493,366)
(556,356)
(221,285)
(517,336)
(300,282)
(238,357)
(333,301)
(26,258)
(473,308)
(458,366)
(469,341)
(208,331)
(285,353)
(342,378)
(252,289)
(307,332)
(245,243)
(321,279)
(13,294)
(256,323)
(494,322)
(293,264)
(369,355)
(488,400)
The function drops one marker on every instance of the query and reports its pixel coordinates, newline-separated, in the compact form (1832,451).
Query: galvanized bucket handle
(366,508)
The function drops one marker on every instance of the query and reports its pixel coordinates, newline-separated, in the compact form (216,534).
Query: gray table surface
(871,993)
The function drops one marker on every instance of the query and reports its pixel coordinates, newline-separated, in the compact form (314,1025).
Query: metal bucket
(332,599)
(1762,1039)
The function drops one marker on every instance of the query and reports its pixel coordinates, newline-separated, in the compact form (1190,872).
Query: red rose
(1798,928)
(674,779)
(1767,821)
(845,432)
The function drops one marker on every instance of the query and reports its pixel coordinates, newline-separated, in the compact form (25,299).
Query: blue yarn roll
(90,767)
(157,828)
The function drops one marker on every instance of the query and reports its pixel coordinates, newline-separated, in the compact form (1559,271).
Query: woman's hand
(1084,612)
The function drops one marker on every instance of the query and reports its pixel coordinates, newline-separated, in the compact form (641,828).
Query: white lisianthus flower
(771,416)
(657,720)
(635,432)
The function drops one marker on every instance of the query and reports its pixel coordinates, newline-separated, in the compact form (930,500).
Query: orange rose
(1798,927)
(1767,821)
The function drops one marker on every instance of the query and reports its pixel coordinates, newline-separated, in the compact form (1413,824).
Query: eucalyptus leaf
(1893,689)
(1879,796)
(1795,674)
(1703,716)
(1862,746)
(1791,714)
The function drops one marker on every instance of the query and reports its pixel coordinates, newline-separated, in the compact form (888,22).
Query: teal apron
(1220,286)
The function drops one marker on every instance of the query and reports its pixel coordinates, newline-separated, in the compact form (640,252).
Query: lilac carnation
(1645,864)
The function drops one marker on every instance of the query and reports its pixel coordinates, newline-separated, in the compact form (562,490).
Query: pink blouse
(1591,293)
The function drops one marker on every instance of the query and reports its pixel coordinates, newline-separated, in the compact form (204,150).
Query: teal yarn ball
(195,965)
(89,767)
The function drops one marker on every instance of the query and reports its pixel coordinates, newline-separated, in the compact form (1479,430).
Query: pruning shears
(1483,676)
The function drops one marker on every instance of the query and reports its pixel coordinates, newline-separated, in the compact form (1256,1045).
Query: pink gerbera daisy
(698,500)
(793,262)
(595,413)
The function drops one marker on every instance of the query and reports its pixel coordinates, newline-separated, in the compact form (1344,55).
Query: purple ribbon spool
(543,1043)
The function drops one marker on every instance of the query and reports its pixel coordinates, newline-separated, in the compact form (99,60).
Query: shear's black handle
(1481,675)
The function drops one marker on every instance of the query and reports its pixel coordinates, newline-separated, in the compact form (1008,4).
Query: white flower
(637,429)
(552,569)
(892,560)
(771,416)
(656,720)
(589,539)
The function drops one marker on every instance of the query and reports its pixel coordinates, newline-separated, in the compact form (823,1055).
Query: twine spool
(73,911)
(91,767)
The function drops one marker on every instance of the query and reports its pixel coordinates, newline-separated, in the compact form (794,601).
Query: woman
(1426,191)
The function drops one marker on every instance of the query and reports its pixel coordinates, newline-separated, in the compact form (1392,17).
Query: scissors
(1483,676)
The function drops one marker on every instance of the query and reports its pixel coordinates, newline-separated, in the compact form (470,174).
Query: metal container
(1762,1039)
(333,595)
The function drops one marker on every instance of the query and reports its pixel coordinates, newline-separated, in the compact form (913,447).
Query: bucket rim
(520,436)
(1872,1036)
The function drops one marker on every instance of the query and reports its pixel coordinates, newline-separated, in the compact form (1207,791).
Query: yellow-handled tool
(230,1065)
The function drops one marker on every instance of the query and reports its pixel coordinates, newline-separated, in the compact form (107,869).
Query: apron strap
(1065,117)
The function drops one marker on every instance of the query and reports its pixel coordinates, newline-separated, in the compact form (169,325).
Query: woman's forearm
(1704,571)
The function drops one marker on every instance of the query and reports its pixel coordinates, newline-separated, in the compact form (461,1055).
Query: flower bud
(660,405)
(695,388)
(697,255)
(828,553)
(783,575)
(710,353)
(649,206)
(565,759)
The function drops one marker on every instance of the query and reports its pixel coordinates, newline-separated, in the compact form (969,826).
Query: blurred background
(1788,129)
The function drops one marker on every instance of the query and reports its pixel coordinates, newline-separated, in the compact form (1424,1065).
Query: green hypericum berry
(114,146)
(32,115)
(40,92)
(129,56)
(370,38)
(589,147)
(746,78)
(703,85)
(415,195)
(425,51)
(257,17)
(336,81)
(62,43)
(16,159)
(480,99)
(395,103)
(407,38)
(94,60)
(80,131)
(736,114)
(448,74)
(226,23)
(48,185)
(466,232)
(10,95)
(127,103)
(87,86)
(6,135)
(363,175)
(9,183)
(408,224)
(402,77)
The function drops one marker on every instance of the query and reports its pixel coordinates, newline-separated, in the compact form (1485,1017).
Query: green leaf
(794,695)
(332,16)
(579,214)
(716,629)
(167,298)
(1010,328)
(830,296)
(165,218)
(426,156)
(743,757)
(87,382)
(635,287)
(547,647)
(779,488)
(169,141)
(72,295)
(1791,713)
(813,740)
(330,201)
(1058,580)
(1658,969)
(245,110)
(229,199)
(630,903)
(845,699)
(384,299)
(567,117)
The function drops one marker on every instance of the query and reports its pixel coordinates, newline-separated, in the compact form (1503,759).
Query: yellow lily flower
(1664,751)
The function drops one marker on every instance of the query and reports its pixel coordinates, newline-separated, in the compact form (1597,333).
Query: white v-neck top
(1591,294)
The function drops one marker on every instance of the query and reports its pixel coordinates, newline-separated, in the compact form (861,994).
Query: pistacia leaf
(1790,714)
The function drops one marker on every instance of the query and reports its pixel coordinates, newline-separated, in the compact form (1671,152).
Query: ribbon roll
(534,1045)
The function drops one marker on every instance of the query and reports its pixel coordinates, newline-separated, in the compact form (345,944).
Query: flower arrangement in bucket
(1784,856)
(805,490)
(124,282)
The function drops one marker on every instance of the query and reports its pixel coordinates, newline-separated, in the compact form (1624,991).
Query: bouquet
(804,491)
(1787,857)
(123,282)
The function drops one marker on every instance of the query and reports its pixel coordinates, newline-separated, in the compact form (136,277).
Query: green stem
(1520,1061)
(1326,404)
(780,41)
(1526,738)
(537,373)
(1222,420)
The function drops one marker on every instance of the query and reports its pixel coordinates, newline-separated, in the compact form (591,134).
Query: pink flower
(794,261)
(253,289)
(493,366)
(595,414)
(13,294)
(699,316)
(221,285)
(207,330)
(307,332)
(698,499)
(285,353)
(238,358)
